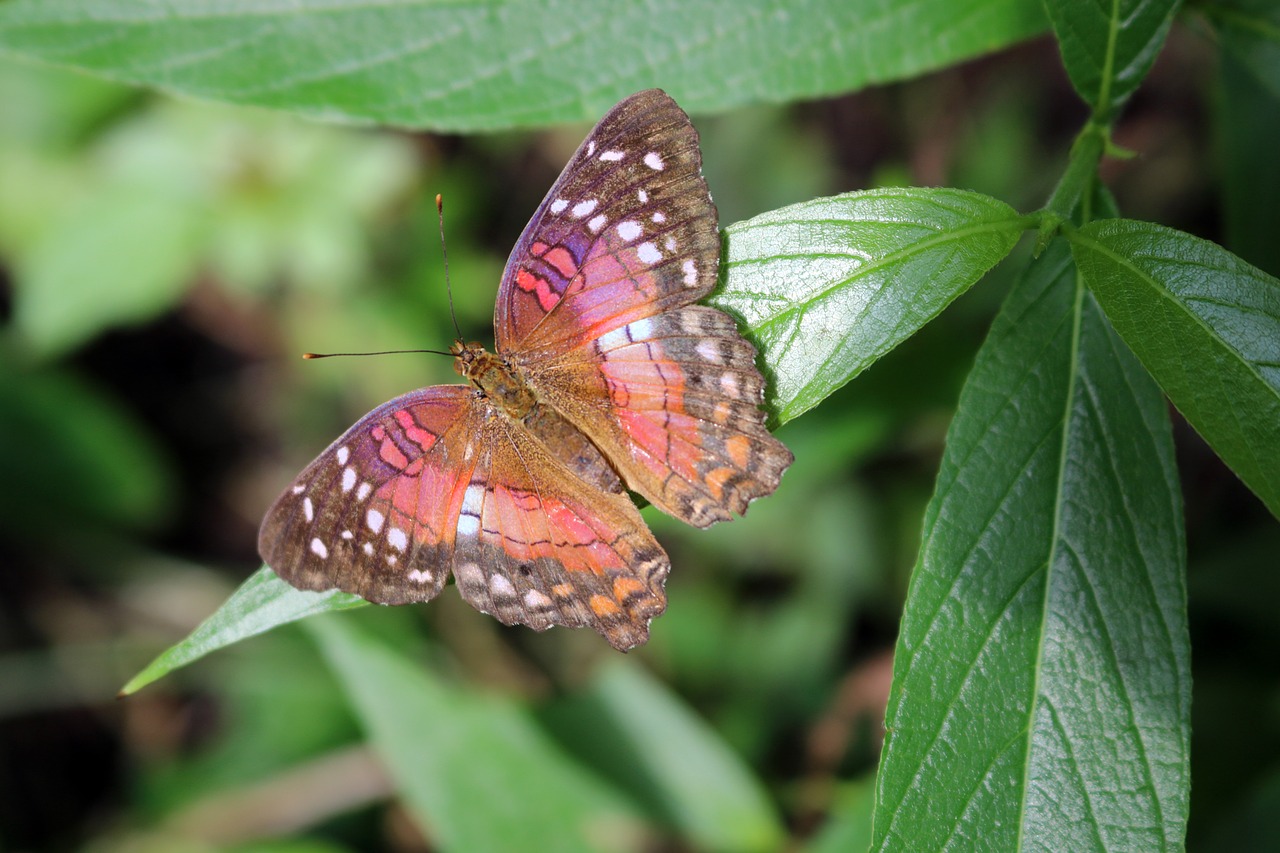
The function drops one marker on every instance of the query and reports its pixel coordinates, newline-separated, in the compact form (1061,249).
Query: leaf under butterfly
(262,602)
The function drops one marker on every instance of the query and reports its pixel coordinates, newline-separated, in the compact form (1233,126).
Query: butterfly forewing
(596,309)
(630,203)
(376,513)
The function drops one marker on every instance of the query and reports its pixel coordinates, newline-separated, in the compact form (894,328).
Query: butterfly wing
(436,481)
(537,546)
(376,513)
(596,310)
(632,188)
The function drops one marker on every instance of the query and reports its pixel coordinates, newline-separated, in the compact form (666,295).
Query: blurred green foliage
(162,262)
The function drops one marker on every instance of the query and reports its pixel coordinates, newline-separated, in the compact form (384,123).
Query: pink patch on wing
(563,262)
(413,432)
(538,286)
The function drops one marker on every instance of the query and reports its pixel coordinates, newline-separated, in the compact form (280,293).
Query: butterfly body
(605,374)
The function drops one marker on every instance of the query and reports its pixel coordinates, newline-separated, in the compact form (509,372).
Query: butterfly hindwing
(534,547)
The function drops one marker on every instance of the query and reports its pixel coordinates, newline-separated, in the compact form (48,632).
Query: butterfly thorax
(493,377)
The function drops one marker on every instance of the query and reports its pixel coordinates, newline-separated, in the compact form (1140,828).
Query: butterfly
(607,377)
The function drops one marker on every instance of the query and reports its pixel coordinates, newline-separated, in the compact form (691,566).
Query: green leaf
(119,477)
(473,65)
(849,826)
(123,256)
(473,769)
(1249,130)
(1207,326)
(634,729)
(1108,47)
(1042,686)
(1251,32)
(828,286)
(262,602)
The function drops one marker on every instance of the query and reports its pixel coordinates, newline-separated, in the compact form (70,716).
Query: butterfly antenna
(445,252)
(383,352)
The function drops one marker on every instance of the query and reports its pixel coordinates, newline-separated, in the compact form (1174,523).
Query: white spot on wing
(613,339)
(500,586)
(559,205)
(374,519)
(348,535)
(641,329)
(468,525)
(670,243)
(648,253)
(363,491)
(654,161)
(470,573)
(729,384)
(473,499)
(690,273)
(368,549)
(317,548)
(597,222)
(591,147)
(642,195)
(535,600)
(629,230)
(297,490)
(659,217)
(308,509)
(613,156)
(397,539)
(348,479)
(343,454)
(584,208)
(709,351)
(420,576)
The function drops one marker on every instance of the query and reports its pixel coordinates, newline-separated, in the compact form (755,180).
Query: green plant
(1042,684)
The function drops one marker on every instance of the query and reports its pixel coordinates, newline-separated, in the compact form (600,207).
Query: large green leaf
(1207,326)
(1042,685)
(1108,47)
(261,603)
(828,286)
(472,64)
(473,769)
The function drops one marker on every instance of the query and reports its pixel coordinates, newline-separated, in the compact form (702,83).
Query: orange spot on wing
(624,588)
(562,590)
(603,606)
(739,449)
(716,480)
